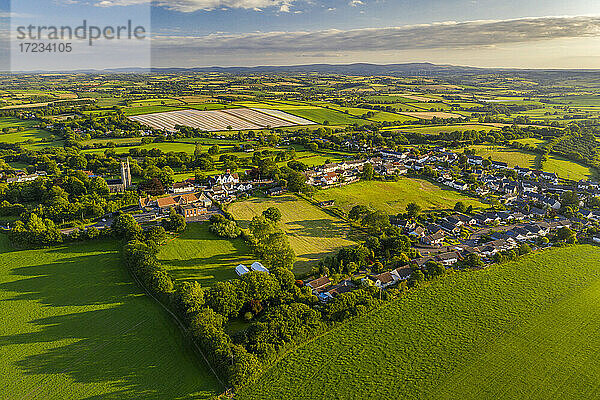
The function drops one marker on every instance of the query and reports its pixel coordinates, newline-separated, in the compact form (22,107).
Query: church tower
(125,174)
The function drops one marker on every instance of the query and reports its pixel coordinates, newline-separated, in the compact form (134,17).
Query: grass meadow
(508,155)
(313,233)
(568,169)
(392,197)
(524,330)
(434,130)
(320,115)
(198,255)
(73,325)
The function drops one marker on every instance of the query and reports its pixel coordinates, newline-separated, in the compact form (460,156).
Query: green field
(321,115)
(524,330)
(74,326)
(532,142)
(198,255)
(10,122)
(392,197)
(313,233)
(568,169)
(165,147)
(508,155)
(434,130)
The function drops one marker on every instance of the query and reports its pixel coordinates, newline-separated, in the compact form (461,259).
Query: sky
(197,33)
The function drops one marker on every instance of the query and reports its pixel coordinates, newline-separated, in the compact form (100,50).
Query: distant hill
(360,69)
(411,69)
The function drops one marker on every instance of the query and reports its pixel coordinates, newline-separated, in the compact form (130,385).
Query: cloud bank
(188,6)
(425,36)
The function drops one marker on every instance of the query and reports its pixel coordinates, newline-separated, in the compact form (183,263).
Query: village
(527,207)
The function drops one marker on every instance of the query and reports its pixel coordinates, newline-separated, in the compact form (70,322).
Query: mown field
(392,197)
(313,233)
(74,326)
(196,254)
(525,330)
(568,169)
(508,155)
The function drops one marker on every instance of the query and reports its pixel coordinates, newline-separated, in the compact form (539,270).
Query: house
(329,178)
(403,273)
(434,240)
(384,279)
(191,205)
(475,160)
(447,259)
(465,219)
(450,227)
(344,286)
(318,285)
(223,179)
(275,191)
(419,231)
(182,187)
(499,165)
(26,178)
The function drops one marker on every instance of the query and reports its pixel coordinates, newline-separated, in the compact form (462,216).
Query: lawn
(523,330)
(313,233)
(568,169)
(74,326)
(392,197)
(508,155)
(198,255)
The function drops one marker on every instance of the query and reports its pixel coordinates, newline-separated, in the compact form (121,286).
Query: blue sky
(186,33)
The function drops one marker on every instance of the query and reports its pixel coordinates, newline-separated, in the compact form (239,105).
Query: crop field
(73,325)
(523,330)
(431,114)
(198,255)
(568,169)
(313,233)
(392,197)
(152,109)
(508,155)
(220,120)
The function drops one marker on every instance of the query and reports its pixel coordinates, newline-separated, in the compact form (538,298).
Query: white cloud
(425,36)
(206,5)
(356,3)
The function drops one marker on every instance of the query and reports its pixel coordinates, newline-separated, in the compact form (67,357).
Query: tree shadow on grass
(98,331)
(207,271)
(319,228)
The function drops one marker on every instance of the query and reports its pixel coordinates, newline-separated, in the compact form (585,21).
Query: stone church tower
(125,174)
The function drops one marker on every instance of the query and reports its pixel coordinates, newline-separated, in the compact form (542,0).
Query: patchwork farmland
(221,120)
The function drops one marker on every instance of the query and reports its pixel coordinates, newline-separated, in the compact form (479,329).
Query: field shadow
(319,228)
(107,336)
(210,270)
